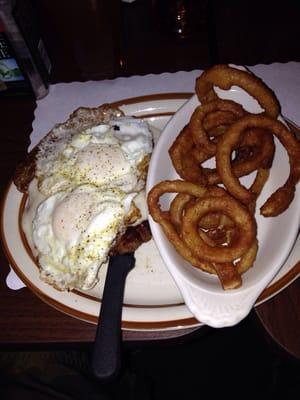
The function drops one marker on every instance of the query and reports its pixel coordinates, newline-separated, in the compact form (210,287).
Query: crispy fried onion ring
(244,223)
(212,221)
(280,200)
(196,125)
(187,168)
(219,229)
(227,257)
(193,145)
(225,77)
(215,123)
(163,217)
(257,186)
(216,222)
(255,151)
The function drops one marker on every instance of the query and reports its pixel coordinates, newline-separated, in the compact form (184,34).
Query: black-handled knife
(106,358)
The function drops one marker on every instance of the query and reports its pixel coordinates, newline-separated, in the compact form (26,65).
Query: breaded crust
(131,239)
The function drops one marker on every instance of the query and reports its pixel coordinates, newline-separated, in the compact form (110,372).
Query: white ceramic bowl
(202,292)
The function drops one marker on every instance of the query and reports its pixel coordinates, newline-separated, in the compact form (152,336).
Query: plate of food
(152,300)
(44,264)
(221,185)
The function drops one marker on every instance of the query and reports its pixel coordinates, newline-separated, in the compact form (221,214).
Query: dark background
(94,39)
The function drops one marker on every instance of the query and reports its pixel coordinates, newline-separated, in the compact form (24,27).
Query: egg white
(105,155)
(73,232)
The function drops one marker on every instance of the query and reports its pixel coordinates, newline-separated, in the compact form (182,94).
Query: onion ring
(200,136)
(257,186)
(228,275)
(209,221)
(224,77)
(187,168)
(248,258)
(244,221)
(215,123)
(163,217)
(279,200)
(262,147)
(188,195)
(177,208)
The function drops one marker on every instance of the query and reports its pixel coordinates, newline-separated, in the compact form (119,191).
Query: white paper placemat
(63,98)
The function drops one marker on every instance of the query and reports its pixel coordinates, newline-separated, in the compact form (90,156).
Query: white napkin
(63,98)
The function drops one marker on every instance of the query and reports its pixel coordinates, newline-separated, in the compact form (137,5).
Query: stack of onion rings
(182,224)
(214,227)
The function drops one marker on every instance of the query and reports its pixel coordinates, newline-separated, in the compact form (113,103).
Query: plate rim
(173,324)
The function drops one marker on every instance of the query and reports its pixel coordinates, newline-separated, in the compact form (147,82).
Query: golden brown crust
(25,171)
(131,239)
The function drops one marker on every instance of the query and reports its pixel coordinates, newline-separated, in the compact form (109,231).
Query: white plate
(201,291)
(152,300)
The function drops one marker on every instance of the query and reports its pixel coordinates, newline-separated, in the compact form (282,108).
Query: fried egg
(73,232)
(106,155)
(89,187)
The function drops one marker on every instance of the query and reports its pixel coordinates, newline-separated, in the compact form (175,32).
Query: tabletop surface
(26,320)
